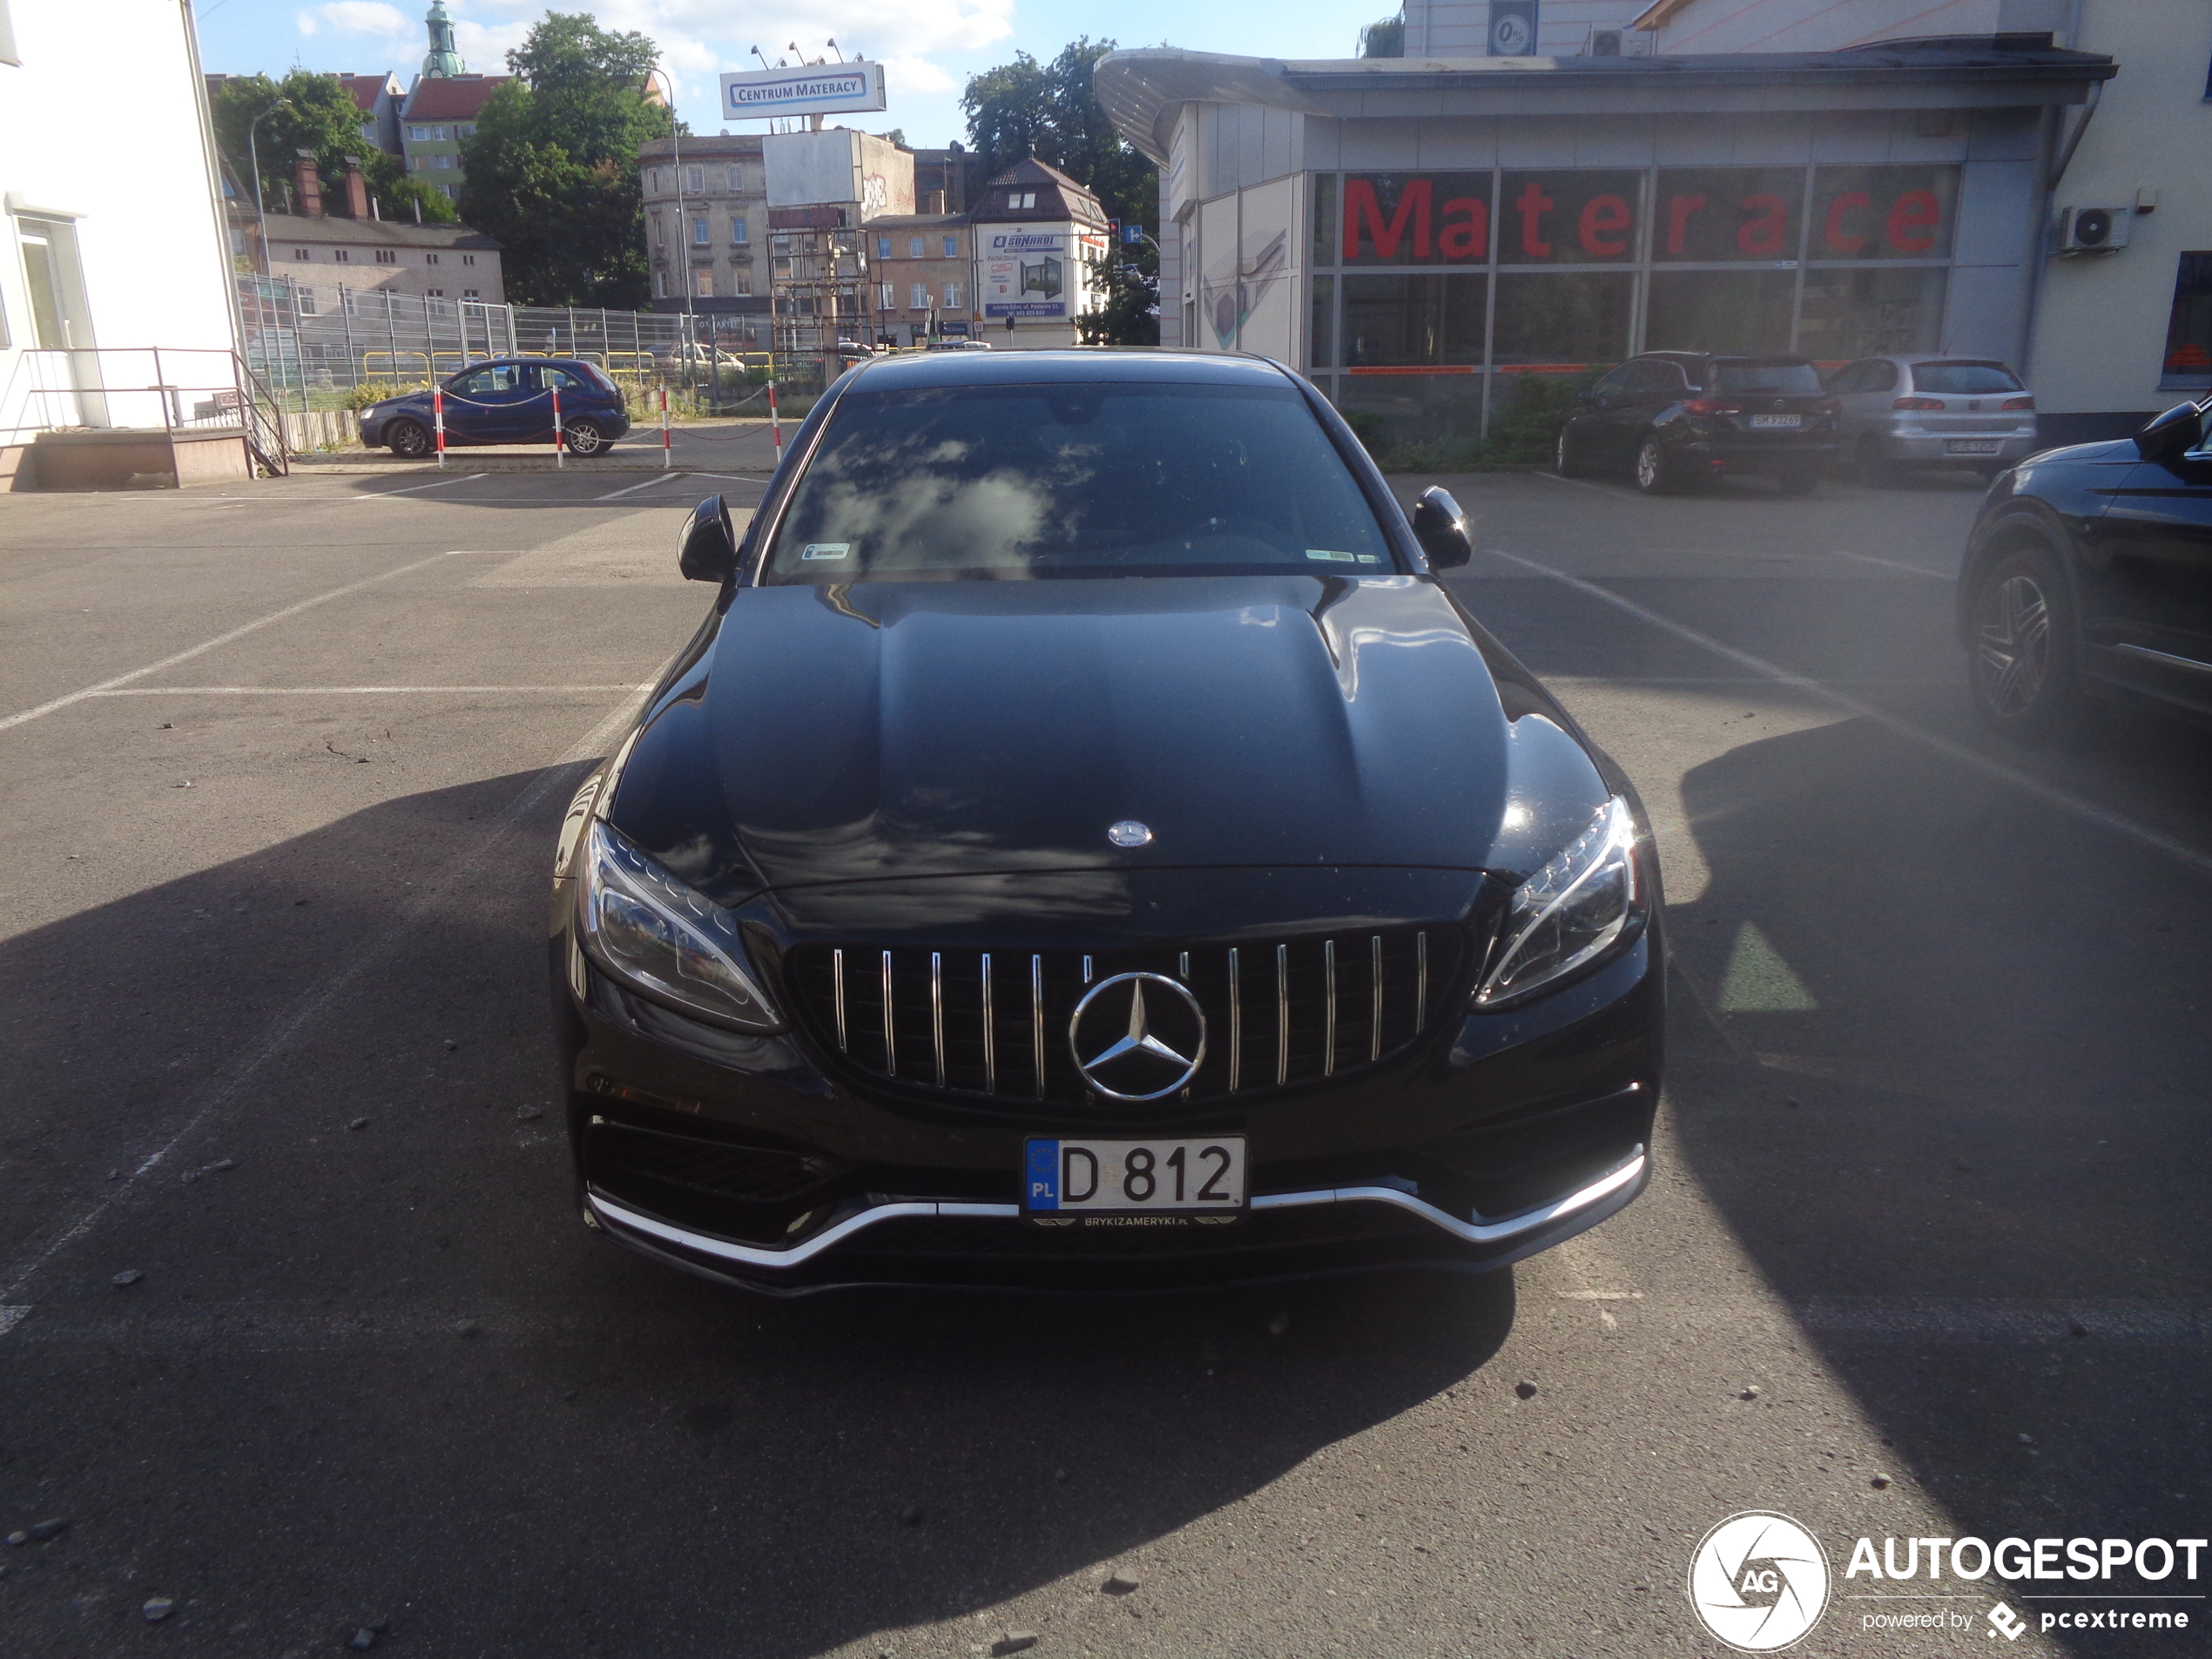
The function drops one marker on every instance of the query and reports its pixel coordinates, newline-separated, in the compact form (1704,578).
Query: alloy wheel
(583,438)
(2012,654)
(1650,464)
(408,441)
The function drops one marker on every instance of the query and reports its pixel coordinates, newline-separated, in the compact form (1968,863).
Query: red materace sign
(1703,215)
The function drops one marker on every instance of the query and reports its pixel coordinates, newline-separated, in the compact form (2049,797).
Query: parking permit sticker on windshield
(825,550)
(1343,558)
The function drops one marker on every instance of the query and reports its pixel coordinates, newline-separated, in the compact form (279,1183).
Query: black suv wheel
(2023,644)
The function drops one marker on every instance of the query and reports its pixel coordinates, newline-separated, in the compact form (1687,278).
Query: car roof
(916,370)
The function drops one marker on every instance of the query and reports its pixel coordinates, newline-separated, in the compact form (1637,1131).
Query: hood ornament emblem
(1129,832)
(1130,1058)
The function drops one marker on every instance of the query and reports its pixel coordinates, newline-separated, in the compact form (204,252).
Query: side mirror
(2169,436)
(1584,394)
(707,551)
(1441,529)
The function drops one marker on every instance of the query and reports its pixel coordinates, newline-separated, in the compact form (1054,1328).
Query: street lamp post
(252,149)
(682,219)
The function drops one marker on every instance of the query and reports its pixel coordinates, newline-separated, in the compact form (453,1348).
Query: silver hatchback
(1922,410)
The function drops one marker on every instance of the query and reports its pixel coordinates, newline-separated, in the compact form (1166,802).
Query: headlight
(646,928)
(1570,913)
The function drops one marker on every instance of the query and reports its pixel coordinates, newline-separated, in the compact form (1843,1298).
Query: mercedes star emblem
(1128,1048)
(1129,832)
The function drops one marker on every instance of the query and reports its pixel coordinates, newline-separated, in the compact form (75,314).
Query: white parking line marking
(416,490)
(220,639)
(430,898)
(1578,483)
(337,690)
(2050,794)
(632,490)
(1896,564)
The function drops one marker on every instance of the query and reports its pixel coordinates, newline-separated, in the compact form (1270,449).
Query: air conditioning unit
(1605,42)
(2094,230)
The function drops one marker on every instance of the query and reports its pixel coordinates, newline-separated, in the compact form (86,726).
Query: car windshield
(1087,479)
(1964,378)
(1748,374)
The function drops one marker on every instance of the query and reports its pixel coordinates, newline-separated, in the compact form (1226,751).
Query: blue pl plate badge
(826,550)
(1044,1175)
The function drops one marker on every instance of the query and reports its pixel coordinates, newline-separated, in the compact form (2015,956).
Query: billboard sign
(1026,274)
(825,89)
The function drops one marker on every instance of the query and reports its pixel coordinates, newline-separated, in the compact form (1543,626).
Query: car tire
(583,436)
(1565,461)
(1875,469)
(1798,483)
(408,440)
(1656,473)
(2023,646)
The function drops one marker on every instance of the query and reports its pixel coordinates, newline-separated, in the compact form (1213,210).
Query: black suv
(1673,418)
(2088,576)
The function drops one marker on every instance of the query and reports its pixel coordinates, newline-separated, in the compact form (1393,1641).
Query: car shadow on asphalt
(1942,1076)
(378,1362)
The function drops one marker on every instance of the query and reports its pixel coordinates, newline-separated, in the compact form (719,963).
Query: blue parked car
(507,400)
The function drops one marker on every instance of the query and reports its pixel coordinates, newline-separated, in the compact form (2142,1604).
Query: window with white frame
(697,180)
(418,135)
(917,297)
(738,232)
(301,255)
(704,281)
(303,301)
(702,231)
(660,284)
(472,294)
(660,230)
(952,247)
(954,296)
(883,247)
(443,162)
(741,283)
(887,297)
(652,180)
(915,246)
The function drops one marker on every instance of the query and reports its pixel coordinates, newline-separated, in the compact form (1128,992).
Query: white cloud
(916,75)
(306,20)
(372,18)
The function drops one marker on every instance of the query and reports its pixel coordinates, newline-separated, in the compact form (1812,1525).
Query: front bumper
(755,1161)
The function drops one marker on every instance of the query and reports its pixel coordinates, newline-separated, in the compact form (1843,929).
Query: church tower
(442,62)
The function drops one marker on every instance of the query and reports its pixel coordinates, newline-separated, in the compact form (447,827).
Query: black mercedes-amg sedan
(1085,846)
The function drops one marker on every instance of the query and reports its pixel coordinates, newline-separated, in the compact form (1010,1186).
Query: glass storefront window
(1883,212)
(1711,214)
(1565,319)
(1324,218)
(1413,218)
(1431,408)
(2187,367)
(1569,216)
(1321,346)
(1407,321)
(1870,312)
(1719,311)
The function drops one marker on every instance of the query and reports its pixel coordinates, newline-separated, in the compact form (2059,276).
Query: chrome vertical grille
(1340,1002)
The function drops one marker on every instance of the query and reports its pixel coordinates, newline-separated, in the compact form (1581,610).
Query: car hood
(894,731)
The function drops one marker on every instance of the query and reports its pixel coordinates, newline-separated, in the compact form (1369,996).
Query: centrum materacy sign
(824,88)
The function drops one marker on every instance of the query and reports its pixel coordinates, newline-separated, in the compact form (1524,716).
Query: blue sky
(928,47)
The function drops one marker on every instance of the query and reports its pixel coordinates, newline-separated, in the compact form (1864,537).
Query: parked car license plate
(1202,1176)
(1972,446)
(1786,421)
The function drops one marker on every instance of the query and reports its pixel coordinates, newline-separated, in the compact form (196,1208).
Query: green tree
(1130,315)
(1048,111)
(552,172)
(313,113)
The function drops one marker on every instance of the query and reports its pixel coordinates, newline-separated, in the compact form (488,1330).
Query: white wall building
(111,238)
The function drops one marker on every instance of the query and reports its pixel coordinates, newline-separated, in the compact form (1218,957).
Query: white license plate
(1790,421)
(1972,445)
(1101,1180)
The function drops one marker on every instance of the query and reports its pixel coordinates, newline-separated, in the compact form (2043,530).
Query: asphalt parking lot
(1926,1255)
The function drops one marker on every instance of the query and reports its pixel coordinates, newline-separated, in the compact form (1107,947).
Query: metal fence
(183,391)
(315,344)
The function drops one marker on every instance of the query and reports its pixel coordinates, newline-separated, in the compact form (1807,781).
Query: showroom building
(1418,235)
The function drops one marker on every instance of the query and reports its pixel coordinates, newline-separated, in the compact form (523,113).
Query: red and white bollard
(560,448)
(775,421)
(666,459)
(438,418)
